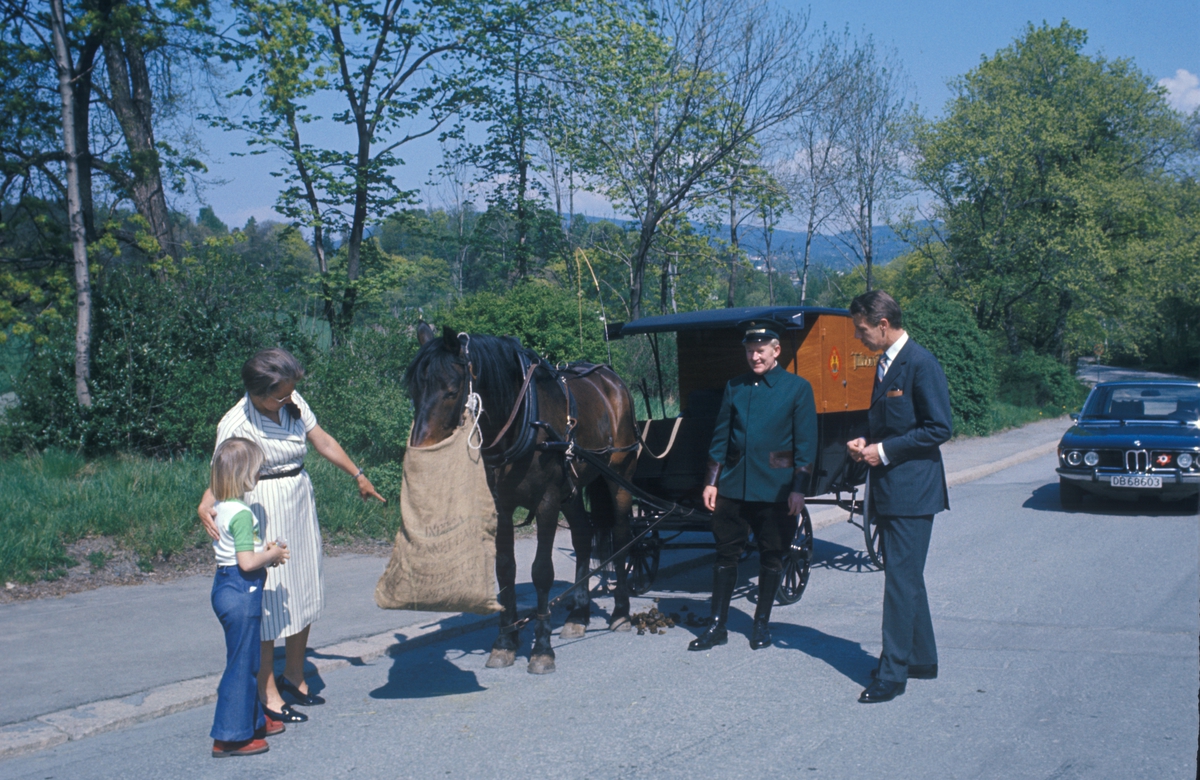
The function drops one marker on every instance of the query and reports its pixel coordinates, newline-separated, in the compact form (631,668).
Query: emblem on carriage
(835,362)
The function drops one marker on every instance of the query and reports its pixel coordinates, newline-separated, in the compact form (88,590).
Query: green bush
(357,393)
(544,318)
(165,366)
(947,329)
(1040,381)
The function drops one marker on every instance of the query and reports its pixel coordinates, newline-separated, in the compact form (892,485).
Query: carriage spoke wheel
(641,567)
(797,563)
(874,540)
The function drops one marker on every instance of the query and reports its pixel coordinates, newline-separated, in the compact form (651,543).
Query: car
(1132,439)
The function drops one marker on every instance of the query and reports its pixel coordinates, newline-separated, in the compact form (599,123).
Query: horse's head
(437,384)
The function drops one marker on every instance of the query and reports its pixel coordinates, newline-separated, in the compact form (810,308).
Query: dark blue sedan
(1134,439)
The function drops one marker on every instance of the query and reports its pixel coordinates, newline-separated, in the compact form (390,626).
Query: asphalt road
(1068,648)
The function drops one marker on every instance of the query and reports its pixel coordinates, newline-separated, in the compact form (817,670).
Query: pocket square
(894,393)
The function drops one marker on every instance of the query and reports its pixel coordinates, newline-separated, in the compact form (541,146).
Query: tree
(1048,175)
(665,91)
(874,114)
(83,286)
(518,107)
(402,71)
(809,175)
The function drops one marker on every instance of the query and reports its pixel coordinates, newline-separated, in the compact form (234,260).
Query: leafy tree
(665,92)
(1048,174)
(401,69)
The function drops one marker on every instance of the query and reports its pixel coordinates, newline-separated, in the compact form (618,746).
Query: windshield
(1145,402)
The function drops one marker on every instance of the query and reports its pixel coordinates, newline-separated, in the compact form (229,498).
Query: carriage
(563,439)
(817,344)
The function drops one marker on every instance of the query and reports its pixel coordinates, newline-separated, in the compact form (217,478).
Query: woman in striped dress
(274,416)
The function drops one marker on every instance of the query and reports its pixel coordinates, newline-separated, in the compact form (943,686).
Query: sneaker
(247,747)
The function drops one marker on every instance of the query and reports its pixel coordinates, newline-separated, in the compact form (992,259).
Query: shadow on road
(1045,499)
(430,677)
(827,555)
(847,657)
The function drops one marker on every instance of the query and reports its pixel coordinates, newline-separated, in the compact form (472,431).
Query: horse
(532,413)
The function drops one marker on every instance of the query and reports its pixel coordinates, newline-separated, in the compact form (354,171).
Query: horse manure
(654,621)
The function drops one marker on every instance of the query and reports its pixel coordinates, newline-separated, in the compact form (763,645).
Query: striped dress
(295,591)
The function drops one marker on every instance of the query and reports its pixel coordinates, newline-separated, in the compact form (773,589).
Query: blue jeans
(237,600)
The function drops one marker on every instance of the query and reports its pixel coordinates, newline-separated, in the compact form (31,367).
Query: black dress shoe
(881,690)
(303,699)
(714,635)
(286,714)
(915,672)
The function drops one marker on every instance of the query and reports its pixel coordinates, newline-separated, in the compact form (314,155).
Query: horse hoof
(572,630)
(620,624)
(541,664)
(499,659)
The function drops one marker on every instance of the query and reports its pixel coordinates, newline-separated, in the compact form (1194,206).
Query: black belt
(292,473)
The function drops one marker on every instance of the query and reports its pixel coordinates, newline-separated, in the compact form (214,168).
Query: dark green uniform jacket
(766,436)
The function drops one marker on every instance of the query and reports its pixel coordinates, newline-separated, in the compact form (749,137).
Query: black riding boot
(768,584)
(724,580)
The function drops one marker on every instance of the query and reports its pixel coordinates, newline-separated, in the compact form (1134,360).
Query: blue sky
(936,41)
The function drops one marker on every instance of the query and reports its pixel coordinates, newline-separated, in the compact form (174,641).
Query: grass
(50,500)
(1005,416)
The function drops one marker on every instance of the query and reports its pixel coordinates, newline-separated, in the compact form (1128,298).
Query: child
(239,725)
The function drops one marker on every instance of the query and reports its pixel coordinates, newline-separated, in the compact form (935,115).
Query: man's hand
(795,504)
(710,498)
(871,455)
(855,448)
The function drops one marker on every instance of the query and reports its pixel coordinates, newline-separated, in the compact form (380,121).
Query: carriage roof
(790,317)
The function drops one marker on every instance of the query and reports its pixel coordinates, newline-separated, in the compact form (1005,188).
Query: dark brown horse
(527,468)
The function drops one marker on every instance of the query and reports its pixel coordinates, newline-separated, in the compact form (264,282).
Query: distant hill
(828,250)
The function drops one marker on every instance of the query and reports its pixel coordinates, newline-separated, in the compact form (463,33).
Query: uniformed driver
(763,448)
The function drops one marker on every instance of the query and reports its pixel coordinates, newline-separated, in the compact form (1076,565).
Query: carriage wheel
(641,567)
(797,563)
(874,539)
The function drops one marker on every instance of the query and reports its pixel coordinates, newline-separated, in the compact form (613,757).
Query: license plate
(1137,482)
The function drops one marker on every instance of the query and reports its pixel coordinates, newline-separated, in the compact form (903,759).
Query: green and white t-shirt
(239,532)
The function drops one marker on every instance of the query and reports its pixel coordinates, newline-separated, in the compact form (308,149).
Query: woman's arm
(329,449)
(208,513)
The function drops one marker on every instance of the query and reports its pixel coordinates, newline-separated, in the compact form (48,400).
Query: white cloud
(1183,90)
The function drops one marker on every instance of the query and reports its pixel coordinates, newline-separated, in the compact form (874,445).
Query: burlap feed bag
(445,554)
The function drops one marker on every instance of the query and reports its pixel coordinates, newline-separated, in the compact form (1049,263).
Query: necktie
(880,369)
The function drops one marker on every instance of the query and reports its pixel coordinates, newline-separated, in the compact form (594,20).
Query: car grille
(1137,460)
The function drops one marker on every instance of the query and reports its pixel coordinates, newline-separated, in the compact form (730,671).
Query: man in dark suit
(908,420)
(763,448)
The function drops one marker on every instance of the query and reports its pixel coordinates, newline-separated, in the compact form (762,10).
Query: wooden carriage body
(817,344)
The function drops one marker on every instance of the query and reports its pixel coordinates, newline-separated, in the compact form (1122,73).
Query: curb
(87,720)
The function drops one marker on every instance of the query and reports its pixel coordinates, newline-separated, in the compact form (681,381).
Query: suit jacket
(765,436)
(910,416)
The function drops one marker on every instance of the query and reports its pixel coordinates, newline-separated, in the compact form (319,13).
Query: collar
(284,429)
(894,350)
(772,376)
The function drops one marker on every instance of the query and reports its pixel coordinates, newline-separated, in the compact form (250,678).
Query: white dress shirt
(887,358)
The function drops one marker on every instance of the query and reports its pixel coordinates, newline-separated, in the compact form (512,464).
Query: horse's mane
(496,360)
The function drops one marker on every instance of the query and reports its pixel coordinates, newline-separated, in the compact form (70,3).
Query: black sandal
(303,699)
(286,714)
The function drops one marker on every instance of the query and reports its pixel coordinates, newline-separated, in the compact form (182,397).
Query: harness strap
(670,443)
(516,405)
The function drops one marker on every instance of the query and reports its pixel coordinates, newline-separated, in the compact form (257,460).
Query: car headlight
(1185,460)
(1092,458)
(1074,458)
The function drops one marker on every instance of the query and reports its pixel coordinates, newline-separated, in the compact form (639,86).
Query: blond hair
(235,467)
